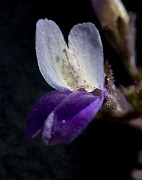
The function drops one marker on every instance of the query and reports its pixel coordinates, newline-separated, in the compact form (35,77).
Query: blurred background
(105,150)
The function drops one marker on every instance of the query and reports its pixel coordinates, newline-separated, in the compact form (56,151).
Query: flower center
(70,72)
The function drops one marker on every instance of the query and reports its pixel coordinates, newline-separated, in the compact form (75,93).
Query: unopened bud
(119,28)
(109,12)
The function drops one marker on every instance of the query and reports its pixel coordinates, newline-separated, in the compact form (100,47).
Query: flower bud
(119,29)
(109,12)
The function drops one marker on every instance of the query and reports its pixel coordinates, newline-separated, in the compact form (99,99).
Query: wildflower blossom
(76,72)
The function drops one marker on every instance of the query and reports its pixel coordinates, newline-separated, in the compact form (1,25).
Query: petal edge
(41,110)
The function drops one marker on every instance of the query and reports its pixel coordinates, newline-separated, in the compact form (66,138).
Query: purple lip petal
(71,117)
(41,110)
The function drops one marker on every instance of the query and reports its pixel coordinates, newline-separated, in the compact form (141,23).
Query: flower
(74,71)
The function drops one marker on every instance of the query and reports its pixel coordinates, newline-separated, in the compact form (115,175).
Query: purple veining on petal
(41,110)
(71,116)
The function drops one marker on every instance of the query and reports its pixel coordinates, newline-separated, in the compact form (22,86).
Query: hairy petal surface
(71,116)
(85,42)
(79,66)
(45,105)
(50,45)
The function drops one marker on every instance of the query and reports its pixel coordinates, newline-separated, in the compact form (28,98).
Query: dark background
(105,150)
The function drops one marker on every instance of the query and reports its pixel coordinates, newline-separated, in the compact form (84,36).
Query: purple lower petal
(41,110)
(71,116)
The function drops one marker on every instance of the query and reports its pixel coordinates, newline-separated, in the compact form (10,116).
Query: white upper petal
(80,66)
(50,44)
(85,42)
